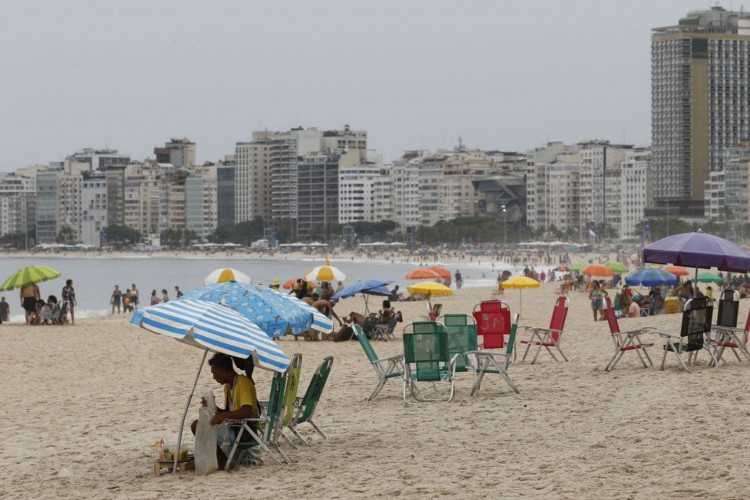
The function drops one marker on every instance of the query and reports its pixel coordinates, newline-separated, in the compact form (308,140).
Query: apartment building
(94,208)
(18,203)
(177,152)
(201,202)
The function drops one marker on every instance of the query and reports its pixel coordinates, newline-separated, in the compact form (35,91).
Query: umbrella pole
(367,308)
(184,413)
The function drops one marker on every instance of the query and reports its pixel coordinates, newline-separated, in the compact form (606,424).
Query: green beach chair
(496,362)
(386,368)
(266,424)
(305,406)
(426,359)
(288,404)
(462,339)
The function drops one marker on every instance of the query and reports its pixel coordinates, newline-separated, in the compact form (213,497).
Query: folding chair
(462,339)
(266,423)
(290,398)
(385,331)
(626,341)
(726,333)
(496,362)
(305,406)
(548,337)
(493,323)
(385,369)
(696,324)
(426,358)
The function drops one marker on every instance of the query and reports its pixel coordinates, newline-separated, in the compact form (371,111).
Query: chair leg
(663,359)
(613,361)
(557,346)
(298,435)
(317,429)
(528,346)
(682,361)
(377,390)
(645,352)
(289,441)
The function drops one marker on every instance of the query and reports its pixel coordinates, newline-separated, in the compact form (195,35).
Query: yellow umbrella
(520,282)
(325,273)
(429,288)
(224,274)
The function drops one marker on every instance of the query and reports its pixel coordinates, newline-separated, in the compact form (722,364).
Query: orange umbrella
(423,273)
(443,272)
(676,270)
(290,284)
(598,270)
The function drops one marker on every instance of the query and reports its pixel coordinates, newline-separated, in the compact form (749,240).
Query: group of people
(128,301)
(39,311)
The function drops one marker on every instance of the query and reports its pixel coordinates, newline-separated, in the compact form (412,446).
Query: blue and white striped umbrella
(213,327)
(272,311)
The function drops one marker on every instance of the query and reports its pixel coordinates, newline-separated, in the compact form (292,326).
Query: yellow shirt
(241,393)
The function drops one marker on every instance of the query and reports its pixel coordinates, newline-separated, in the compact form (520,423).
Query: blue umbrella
(211,327)
(272,311)
(651,276)
(698,249)
(365,287)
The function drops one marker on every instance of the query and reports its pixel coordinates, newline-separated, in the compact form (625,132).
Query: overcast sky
(502,74)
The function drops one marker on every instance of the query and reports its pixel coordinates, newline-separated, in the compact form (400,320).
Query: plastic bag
(205,437)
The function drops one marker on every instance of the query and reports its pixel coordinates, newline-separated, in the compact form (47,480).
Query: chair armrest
(639,331)
(668,336)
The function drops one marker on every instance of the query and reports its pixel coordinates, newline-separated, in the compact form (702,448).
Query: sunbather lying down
(415,296)
(346,332)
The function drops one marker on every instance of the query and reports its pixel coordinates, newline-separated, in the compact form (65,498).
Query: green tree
(15,240)
(66,236)
(121,236)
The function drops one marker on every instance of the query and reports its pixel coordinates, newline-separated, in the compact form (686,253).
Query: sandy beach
(92,398)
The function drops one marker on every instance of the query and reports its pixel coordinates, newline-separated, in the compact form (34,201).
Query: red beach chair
(548,337)
(493,323)
(626,341)
(725,332)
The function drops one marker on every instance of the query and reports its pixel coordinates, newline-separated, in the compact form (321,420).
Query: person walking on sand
(116,299)
(134,296)
(459,280)
(4,310)
(596,296)
(29,295)
(69,294)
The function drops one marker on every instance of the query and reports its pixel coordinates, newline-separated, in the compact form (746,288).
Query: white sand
(92,398)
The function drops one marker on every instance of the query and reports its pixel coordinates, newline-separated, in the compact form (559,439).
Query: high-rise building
(178,152)
(700,86)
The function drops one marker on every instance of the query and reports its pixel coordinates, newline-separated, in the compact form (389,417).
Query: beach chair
(265,424)
(369,325)
(462,339)
(385,368)
(626,341)
(496,362)
(725,334)
(290,398)
(618,301)
(60,312)
(306,405)
(426,359)
(493,323)
(696,325)
(551,336)
(386,331)
(433,311)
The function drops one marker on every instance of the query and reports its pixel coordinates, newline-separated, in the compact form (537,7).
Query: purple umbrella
(698,249)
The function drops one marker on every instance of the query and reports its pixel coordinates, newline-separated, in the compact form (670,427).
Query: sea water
(94,277)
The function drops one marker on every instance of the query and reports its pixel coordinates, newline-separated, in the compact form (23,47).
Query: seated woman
(385,313)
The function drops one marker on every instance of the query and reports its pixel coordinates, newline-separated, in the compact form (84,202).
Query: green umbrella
(578,267)
(617,266)
(707,277)
(29,274)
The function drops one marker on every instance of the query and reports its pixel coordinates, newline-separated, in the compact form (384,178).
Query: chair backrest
(510,354)
(462,337)
(614,326)
(559,313)
(314,390)
(369,325)
(426,347)
(292,387)
(618,301)
(729,308)
(696,320)
(275,405)
(364,342)
(436,309)
(493,323)
(59,313)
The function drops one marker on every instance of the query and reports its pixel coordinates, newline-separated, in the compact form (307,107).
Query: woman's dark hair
(386,304)
(69,282)
(247,365)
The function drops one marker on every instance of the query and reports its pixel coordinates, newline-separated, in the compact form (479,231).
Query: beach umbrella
(707,277)
(698,250)
(429,288)
(520,282)
(290,284)
(676,270)
(326,273)
(423,273)
(617,266)
(272,311)
(224,274)
(366,288)
(211,327)
(28,275)
(651,276)
(441,271)
(598,270)
(579,266)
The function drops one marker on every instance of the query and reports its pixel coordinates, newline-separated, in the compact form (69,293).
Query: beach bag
(205,438)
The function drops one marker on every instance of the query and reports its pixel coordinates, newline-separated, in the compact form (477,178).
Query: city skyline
(415,76)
